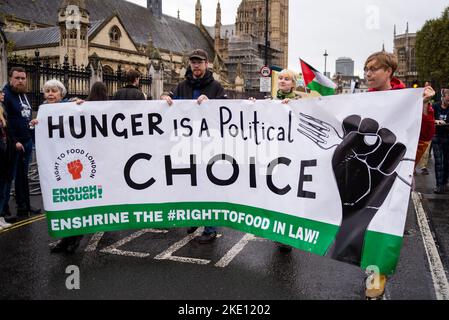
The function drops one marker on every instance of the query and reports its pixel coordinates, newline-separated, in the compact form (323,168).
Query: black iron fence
(77,79)
(114,81)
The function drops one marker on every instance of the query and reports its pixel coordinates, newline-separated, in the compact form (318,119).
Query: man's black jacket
(206,85)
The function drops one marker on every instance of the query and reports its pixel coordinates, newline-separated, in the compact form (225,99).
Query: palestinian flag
(316,81)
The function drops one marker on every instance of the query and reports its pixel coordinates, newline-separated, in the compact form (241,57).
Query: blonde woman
(287,83)
(6,161)
(286,87)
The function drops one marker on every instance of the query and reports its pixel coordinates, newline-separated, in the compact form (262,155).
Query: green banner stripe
(381,250)
(313,237)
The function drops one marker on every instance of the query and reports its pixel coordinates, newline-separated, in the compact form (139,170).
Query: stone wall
(3,60)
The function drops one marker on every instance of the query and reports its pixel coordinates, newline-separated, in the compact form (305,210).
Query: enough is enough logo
(77,194)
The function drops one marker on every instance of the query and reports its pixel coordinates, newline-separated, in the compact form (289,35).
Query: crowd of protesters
(16,128)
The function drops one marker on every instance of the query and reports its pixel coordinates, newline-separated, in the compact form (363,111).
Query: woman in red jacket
(379,72)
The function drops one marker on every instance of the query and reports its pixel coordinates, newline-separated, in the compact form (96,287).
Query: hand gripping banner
(329,175)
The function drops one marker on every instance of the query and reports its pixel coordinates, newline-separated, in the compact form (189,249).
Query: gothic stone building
(3,57)
(242,45)
(122,33)
(404,49)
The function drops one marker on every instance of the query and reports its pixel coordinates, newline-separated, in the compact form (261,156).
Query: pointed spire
(198,14)
(151,51)
(218,16)
(383,47)
(218,26)
(406,31)
(179,17)
(395,30)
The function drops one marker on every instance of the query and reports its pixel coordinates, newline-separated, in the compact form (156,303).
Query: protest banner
(327,175)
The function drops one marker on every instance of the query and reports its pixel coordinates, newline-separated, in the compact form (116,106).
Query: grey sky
(345,28)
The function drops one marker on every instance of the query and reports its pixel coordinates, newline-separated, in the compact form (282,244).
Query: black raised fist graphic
(364,164)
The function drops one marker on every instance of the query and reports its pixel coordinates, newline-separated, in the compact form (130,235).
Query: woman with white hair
(54,92)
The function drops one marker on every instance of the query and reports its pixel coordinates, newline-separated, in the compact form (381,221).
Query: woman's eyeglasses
(372,69)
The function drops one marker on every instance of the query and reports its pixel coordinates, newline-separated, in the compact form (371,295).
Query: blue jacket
(19,114)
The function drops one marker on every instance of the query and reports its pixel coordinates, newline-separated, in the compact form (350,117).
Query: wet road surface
(167,264)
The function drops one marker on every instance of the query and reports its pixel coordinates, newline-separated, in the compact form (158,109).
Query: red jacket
(428,121)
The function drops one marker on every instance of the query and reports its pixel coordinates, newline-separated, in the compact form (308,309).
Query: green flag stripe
(324,91)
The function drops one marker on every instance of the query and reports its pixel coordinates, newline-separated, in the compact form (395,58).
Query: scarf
(282,95)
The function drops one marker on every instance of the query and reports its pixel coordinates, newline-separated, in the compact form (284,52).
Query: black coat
(207,86)
(18,122)
(129,92)
(7,154)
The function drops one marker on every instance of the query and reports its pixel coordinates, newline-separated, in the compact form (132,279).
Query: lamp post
(325,62)
(266,32)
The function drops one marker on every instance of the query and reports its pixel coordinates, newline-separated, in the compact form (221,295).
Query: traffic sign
(265,71)
(265,84)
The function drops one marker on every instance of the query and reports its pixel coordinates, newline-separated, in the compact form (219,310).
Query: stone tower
(73,19)
(218,28)
(279,10)
(251,21)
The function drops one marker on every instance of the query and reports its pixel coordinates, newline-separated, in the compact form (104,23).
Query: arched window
(107,70)
(73,34)
(401,55)
(115,35)
(412,60)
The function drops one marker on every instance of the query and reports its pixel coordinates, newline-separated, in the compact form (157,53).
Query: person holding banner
(54,92)
(199,85)
(6,160)
(379,72)
(287,80)
(287,83)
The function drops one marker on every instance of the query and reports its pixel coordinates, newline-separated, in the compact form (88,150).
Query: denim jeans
(20,175)
(440,145)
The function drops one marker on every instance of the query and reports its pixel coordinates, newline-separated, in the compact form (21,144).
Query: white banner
(327,175)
